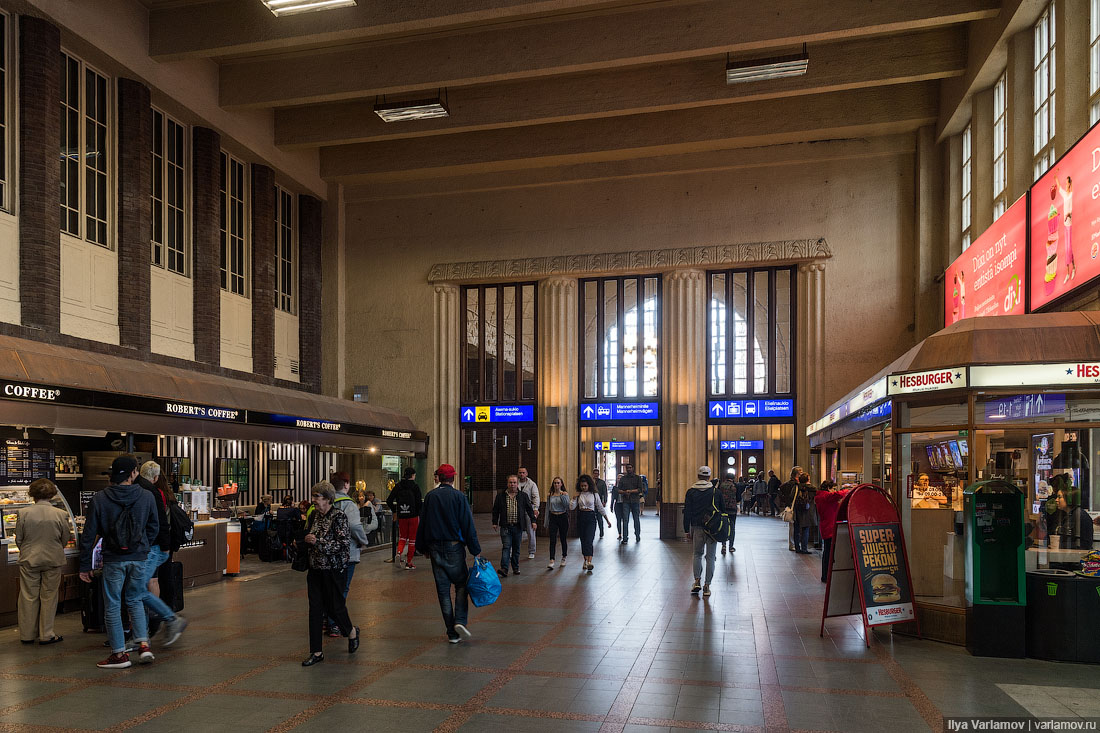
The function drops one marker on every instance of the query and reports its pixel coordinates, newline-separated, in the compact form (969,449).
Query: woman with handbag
(804,516)
(329,543)
(589,511)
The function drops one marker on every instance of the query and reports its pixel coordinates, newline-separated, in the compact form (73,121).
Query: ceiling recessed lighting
(777,67)
(417,109)
(293,7)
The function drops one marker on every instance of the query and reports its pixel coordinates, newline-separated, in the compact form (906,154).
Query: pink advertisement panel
(988,278)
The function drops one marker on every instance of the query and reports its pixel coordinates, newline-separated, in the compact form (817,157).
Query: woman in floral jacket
(329,540)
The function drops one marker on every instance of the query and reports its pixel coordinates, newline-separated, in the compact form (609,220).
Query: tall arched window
(749,334)
(620,326)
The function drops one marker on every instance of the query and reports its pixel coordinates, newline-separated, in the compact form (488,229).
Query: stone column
(263,234)
(206,243)
(333,297)
(1071,80)
(558,379)
(811,337)
(928,243)
(446,445)
(981,158)
(310,358)
(135,213)
(1020,116)
(683,377)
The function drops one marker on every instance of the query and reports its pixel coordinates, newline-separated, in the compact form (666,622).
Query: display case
(14,498)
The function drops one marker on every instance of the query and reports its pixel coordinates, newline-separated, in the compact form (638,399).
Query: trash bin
(1088,611)
(1052,608)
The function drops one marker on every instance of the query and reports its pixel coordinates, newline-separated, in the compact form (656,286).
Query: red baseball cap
(445,471)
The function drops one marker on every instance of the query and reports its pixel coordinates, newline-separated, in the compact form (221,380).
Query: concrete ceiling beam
(234,27)
(575,45)
(839,115)
(908,58)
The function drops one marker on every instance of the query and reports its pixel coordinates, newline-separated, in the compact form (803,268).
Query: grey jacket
(358,534)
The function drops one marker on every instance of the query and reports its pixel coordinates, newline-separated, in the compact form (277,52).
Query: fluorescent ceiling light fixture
(293,7)
(418,109)
(778,67)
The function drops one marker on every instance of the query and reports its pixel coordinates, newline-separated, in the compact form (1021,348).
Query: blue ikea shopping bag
(483,585)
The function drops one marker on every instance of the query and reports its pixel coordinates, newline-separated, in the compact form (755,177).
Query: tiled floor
(624,649)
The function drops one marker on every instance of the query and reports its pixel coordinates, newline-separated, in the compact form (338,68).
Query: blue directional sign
(496,413)
(750,409)
(658,445)
(620,411)
(607,445)
(741,445)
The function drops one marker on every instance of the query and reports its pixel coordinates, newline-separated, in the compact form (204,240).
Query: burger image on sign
(884,589)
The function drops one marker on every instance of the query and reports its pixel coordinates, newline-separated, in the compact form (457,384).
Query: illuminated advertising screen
(988,278)
(1065,223)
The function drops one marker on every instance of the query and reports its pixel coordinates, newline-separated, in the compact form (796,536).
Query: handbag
(787,515)
(301,557)
(483,583)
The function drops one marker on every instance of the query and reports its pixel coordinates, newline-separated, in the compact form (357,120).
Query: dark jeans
(826,549)
(733,526)
(620,518)
(801,536)
(632,510)
(510,537)
(325,589)
(586,528)
(559,525)
(349,571)
(449,568)
(774,499)
(600,522)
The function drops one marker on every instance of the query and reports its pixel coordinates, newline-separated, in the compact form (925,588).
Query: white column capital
(813,267)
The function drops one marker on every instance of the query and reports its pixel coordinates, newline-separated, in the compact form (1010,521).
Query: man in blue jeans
(156,609)
(445,532)
(125,548)
(630,488)
(512,511)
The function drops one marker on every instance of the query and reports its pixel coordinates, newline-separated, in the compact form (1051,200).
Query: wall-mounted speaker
(682,414)
(551,416)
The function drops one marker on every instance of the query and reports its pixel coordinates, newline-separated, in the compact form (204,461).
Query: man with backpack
(157,610)
(700,503)
(124,515)
(728,491)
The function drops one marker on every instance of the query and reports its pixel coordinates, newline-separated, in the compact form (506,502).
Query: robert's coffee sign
(882,573)
(931,381)
(203,412)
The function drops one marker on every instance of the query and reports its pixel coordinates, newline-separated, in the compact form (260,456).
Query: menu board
(882,574)
(1065,223)
(988,278)
(23,461)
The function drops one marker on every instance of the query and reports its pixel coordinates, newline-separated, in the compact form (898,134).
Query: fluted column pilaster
(558,379)
(446,444)
(811,338)
(683,377)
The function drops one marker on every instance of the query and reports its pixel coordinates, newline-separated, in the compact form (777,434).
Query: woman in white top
(557,504)
(589,511)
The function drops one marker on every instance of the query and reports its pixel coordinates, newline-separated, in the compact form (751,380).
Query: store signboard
(1065,224)
(882,572)
(741,445)
(750,409)
(1036,375)
(988,278)
(496,413)
(620,412)
(1025,406)
(929,381)
(869,395)
(610,445)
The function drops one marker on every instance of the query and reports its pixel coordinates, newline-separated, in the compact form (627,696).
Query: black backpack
(124,535)
(180,527)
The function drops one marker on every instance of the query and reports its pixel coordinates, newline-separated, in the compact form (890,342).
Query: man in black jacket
(512,511)
(699,503)
(601,489)
(446,530)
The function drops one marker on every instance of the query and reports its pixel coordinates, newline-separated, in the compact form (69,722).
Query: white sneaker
(551,564)
(563,562)
(461,628)
(530,556)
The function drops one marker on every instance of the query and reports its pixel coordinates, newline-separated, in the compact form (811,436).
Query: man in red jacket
(828,502)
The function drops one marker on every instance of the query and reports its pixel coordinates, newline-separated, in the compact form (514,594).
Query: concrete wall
(862,207)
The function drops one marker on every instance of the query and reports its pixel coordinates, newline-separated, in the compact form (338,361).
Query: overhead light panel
(777,67)
(293,7)
(418,109)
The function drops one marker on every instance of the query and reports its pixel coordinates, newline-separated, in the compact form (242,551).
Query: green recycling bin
(996,595)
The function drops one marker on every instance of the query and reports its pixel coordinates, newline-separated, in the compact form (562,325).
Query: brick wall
(263,270)
(135,141)
(310,215)
(39,174)
(206,148)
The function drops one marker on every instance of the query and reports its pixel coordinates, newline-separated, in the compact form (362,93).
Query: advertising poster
(988,278)
(881,573)
(1065,223)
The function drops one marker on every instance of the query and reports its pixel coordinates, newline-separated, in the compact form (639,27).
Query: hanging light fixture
(417,109)
(294,7)
(777,67)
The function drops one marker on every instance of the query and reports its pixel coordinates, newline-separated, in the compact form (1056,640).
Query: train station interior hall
(755,348)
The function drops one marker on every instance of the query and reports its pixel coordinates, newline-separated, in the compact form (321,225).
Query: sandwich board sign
(869,567)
